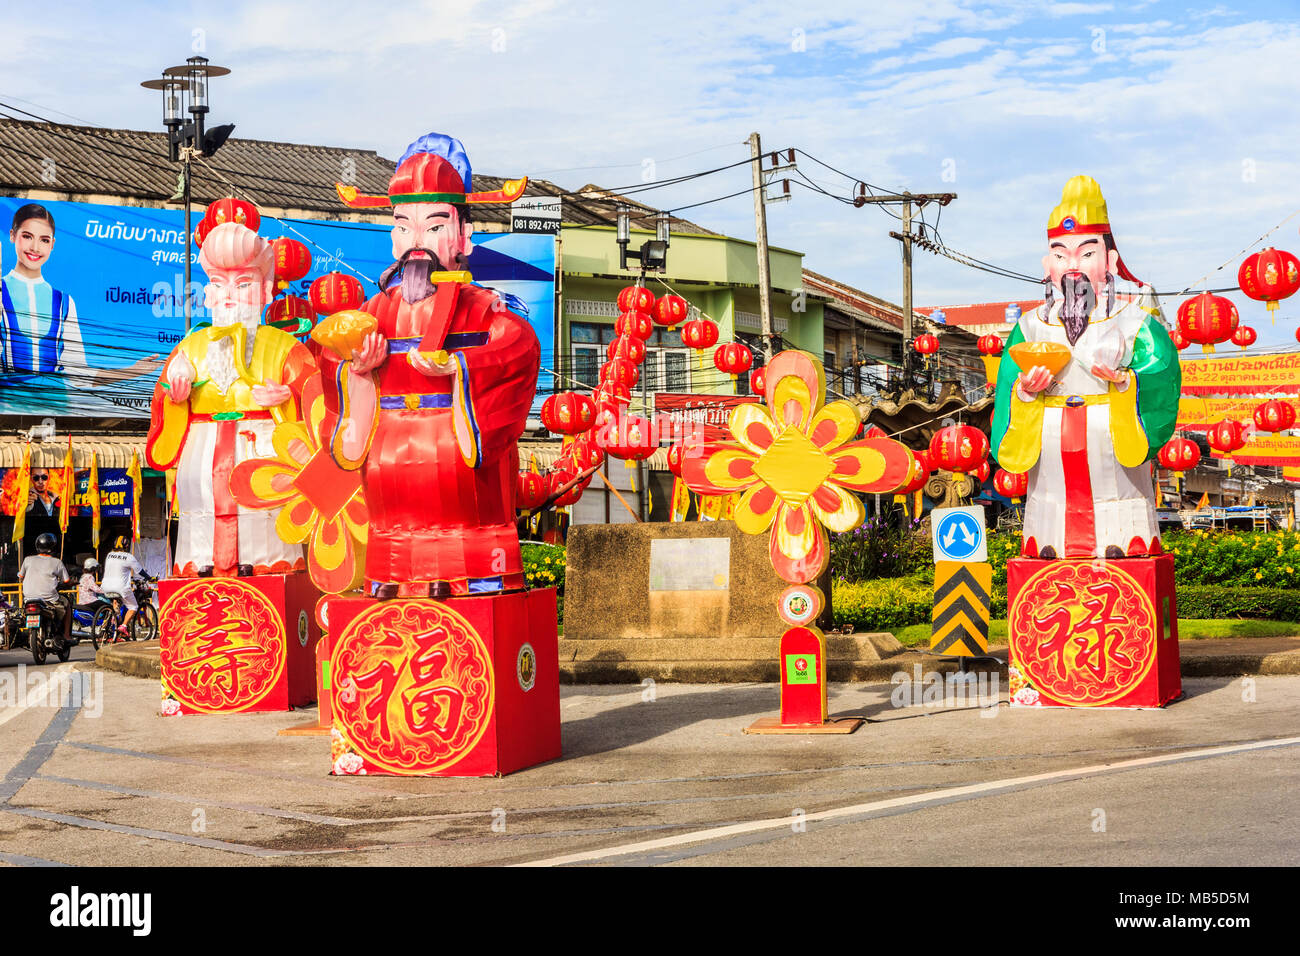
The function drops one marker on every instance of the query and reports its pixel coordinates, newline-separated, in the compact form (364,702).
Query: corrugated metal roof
(133,165)
(113,451)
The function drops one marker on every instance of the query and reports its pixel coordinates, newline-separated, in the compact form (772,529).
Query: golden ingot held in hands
(343,332)
(1051,355)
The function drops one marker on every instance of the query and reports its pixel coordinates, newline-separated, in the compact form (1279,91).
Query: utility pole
(188,237)
(906,200)
(760,224)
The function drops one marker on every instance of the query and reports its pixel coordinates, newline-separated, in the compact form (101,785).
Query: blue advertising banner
(94,303)
(43,497)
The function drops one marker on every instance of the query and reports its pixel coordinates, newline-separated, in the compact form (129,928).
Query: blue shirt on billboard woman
(40,338)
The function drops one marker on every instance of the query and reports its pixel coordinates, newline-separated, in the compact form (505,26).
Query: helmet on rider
(90,565)
(122,543)
(45,543)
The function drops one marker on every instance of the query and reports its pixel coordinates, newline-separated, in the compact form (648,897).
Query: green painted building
(716,274)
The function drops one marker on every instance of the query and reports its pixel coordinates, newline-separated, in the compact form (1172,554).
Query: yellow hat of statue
(1082,209)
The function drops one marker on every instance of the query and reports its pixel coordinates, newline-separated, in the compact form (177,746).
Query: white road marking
(50,675)
(934,796)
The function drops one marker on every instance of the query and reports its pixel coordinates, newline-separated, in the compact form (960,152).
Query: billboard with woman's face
(93,296)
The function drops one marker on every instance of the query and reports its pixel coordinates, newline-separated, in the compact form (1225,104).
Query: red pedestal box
(803,677)
(237,644)
(1093,633)
(462,688)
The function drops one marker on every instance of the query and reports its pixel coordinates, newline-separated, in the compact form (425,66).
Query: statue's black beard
(1078,299)
(414,274)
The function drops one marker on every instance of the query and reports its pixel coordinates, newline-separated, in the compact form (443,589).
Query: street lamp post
(187,137)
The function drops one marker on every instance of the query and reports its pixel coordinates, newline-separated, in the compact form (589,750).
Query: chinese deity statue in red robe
(431,387)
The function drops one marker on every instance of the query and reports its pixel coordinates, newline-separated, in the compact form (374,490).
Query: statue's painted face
(431,229)
(236,295)
(1083,253)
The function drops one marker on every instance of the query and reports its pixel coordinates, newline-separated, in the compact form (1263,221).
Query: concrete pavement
(858,658)
(1210,779)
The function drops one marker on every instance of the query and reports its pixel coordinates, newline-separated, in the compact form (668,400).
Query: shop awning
(547,452)
(114,451)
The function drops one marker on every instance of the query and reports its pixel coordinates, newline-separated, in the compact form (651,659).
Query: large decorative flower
(796,466)
(319,500)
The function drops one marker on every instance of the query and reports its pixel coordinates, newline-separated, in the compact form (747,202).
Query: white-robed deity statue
(1089,395)
(222,392)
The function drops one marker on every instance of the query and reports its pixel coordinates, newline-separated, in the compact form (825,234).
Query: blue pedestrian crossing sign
(958,534)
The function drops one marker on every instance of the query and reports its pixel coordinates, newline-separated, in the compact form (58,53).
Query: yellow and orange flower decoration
(798,471)
(322,503)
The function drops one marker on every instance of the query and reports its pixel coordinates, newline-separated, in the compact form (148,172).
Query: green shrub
(1252,559)
(880,550)
(1200,601)
(544,565)
(882,604)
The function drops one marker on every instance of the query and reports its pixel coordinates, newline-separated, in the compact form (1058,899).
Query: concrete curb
(1236,657)
(135,659)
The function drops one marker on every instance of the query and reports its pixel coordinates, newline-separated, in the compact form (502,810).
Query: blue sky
(1186,115)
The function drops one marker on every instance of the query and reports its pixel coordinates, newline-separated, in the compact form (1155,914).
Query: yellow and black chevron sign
(961,608)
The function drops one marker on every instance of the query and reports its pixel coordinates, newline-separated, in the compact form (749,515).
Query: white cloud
(1077,9)
(957,46)
(1163,119)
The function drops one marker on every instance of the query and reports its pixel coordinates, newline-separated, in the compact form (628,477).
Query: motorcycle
(39,624)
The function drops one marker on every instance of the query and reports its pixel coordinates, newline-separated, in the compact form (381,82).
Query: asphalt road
(664,776)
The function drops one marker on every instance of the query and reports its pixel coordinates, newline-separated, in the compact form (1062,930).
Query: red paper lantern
(958,448)
(568,413)
(530,491)
(613,394)
(758,381)
(925,458)
(233,210)
(733,358)
(926,344)
(1269,276)
(1179,455)
(636,298)
(675,455)
(335,292)
(627,347)
(607,415)
(1207,319)
(619,372)
(292,314)
(1226,437)
(1011,484)
(557,480)
(1180,340)
(916,479)
(699,334)
(584,453)
(638,324)
(632,439)
(981,471)
(989,344)
(292,260)
(1244,336)
(201,231)
(672,309)
(1274,416)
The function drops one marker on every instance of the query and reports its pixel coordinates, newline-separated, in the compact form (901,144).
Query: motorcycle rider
(120,566)
(88,590)
(41,575)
